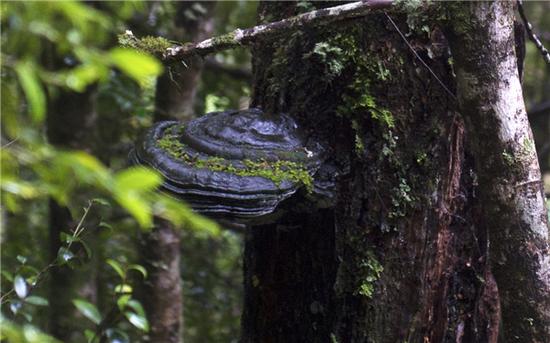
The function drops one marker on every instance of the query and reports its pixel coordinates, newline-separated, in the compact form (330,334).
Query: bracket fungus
(237,164)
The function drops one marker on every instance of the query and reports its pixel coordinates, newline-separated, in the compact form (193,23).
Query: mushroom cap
(234,163)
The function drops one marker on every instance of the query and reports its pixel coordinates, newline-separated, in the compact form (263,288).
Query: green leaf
(117,267)
(86,167)
(64,255)
(88,310)
(21,259)
(102,201)
(90,335)
(123,288)
(180,214)
(20,188)
(138,268)
(20,286)
(138,208)
(15,306)
(122,301)
(138,321)
(33,90)
(117,336)
(86,248)
(138,65)
(137,179)
(84,75)
(136,306)
(66,238)
(36,300)
(7,275)
(131,186)
(105,225)
(12,332)
(28,316)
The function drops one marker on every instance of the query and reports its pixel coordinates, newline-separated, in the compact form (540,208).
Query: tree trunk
(404,254)
(163,300)
(175,94)
(177,86)
(510,187)
(70,122)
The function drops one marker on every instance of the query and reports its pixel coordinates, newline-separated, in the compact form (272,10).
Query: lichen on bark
(510,191)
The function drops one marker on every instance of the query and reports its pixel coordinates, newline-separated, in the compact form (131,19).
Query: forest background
(73,213)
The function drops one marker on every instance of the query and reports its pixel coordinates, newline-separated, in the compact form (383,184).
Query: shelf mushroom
(237,164)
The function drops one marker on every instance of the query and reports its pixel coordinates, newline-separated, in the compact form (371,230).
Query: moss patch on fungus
(277,171)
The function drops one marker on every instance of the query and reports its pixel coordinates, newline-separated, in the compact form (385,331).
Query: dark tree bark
(404,255)
(70,121)
(175,95)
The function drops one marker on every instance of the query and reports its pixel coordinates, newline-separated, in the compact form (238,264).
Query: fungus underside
(277,171)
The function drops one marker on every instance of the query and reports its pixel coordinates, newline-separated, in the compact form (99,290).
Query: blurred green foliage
(77,32)
(103,251)
(33,171)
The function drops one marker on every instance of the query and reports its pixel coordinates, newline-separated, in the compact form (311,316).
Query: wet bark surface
(511,196)
(409,256)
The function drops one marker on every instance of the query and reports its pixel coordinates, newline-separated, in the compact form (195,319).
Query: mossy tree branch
(169,52)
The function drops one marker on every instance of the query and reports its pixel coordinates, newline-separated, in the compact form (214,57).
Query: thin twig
(10,142)
(532,36)
(39,277)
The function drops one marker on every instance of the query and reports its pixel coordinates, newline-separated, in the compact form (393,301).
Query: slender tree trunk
(407,243)
(70,121)
(510,186)
(176,88)
(163,300)
(161,250)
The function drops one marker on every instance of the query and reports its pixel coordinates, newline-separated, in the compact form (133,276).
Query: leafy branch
(23,288)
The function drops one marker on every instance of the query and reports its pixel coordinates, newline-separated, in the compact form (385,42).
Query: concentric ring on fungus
(235,163)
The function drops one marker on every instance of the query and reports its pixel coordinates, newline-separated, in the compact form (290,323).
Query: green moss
(421,158)
(343,55)
(527,147)
(277,171)
(508,158)
(401,197)
(226,39)
(371,270)
(330,56)
(152,45)
(357,98)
